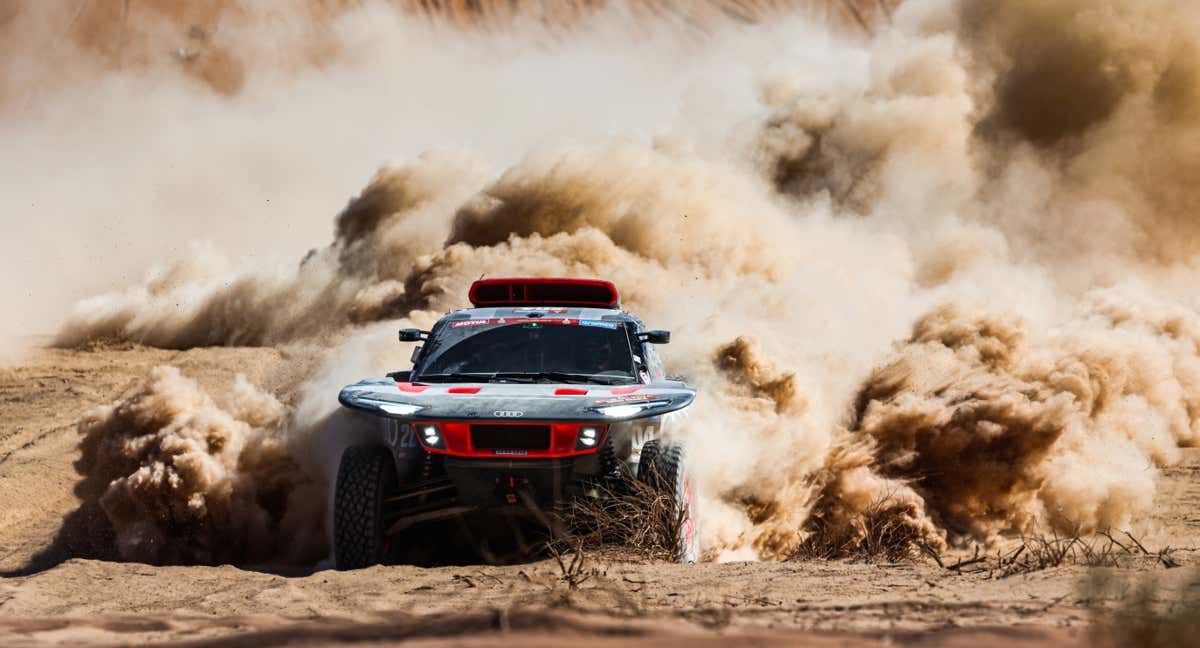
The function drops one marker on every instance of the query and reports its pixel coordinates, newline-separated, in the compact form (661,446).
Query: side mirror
(400,376)
(655,337)
(413,335)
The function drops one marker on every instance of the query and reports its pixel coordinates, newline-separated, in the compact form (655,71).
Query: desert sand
(62,599)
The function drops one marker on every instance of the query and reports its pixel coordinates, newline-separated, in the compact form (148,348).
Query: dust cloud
(998,432)
(941,274)
(182,479)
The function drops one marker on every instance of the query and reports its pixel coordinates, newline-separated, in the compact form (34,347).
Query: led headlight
(399,409)
(629,409)
(589,436)
(430,435)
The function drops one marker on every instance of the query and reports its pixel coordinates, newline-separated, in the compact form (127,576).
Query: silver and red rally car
(543,390)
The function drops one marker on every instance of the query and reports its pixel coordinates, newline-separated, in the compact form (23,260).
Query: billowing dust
(940,276)
(182,479)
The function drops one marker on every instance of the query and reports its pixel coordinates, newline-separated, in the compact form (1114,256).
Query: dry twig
(1038,552)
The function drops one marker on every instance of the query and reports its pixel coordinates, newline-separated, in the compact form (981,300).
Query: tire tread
(365,475)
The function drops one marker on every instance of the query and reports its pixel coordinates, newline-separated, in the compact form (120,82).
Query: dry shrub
(1039,552)
(571,566)
(881,533)
(632,517)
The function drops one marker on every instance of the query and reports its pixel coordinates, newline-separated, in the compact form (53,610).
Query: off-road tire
(365,477)
(649,457)
(663,467)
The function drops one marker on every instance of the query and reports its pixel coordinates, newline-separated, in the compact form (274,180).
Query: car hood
(513,401)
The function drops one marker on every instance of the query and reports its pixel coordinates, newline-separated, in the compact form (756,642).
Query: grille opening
(514,437)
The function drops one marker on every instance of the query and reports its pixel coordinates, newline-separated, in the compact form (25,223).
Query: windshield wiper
(525,377)
(479,376)
(566,377)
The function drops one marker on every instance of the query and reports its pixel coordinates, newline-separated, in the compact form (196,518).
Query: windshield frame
(625,329)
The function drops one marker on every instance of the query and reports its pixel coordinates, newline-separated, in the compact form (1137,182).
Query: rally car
(540,392)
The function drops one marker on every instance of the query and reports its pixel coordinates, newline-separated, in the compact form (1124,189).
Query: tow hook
(507,488)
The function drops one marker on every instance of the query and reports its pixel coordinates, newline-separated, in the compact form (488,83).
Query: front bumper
(526,487)
(521,483)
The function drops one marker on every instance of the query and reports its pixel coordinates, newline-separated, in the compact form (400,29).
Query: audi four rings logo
(508,414)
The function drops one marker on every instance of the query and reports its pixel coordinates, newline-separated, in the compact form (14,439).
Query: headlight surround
(622,410)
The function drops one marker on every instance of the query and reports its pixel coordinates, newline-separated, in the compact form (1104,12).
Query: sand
(48,598)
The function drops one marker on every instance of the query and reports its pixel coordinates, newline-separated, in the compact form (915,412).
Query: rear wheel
(365,477)
(663,467)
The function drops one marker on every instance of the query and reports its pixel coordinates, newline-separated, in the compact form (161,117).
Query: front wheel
(663,467)
(365,476)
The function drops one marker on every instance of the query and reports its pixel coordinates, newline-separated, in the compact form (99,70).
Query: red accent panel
(463,390)
(624,390)
(544,291)
(457,437)
(570,391)
(411,388)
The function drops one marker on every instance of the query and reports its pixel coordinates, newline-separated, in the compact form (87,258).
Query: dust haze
(943,271)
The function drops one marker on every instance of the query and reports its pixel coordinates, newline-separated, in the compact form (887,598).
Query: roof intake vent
(545,292)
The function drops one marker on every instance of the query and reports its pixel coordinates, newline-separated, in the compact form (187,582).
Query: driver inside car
(595,354)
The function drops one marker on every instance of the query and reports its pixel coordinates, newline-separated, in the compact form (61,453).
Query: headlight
(399,409)
(629,409)
(430,435)
(589,436)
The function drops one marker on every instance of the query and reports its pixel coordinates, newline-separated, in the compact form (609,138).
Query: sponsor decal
(474,322)
(508,414)
(532,320)
(535,309)
(499,321)
(540,321)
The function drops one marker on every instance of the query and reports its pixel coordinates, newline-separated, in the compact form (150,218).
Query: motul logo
(508,414)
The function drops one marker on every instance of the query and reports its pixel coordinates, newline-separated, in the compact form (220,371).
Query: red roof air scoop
(545,292)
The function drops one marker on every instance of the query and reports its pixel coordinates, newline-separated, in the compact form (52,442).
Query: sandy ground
(72,600)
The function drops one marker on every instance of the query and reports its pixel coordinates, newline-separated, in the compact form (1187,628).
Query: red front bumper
(487,439)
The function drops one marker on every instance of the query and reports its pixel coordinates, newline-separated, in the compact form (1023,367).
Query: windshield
(553,350)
